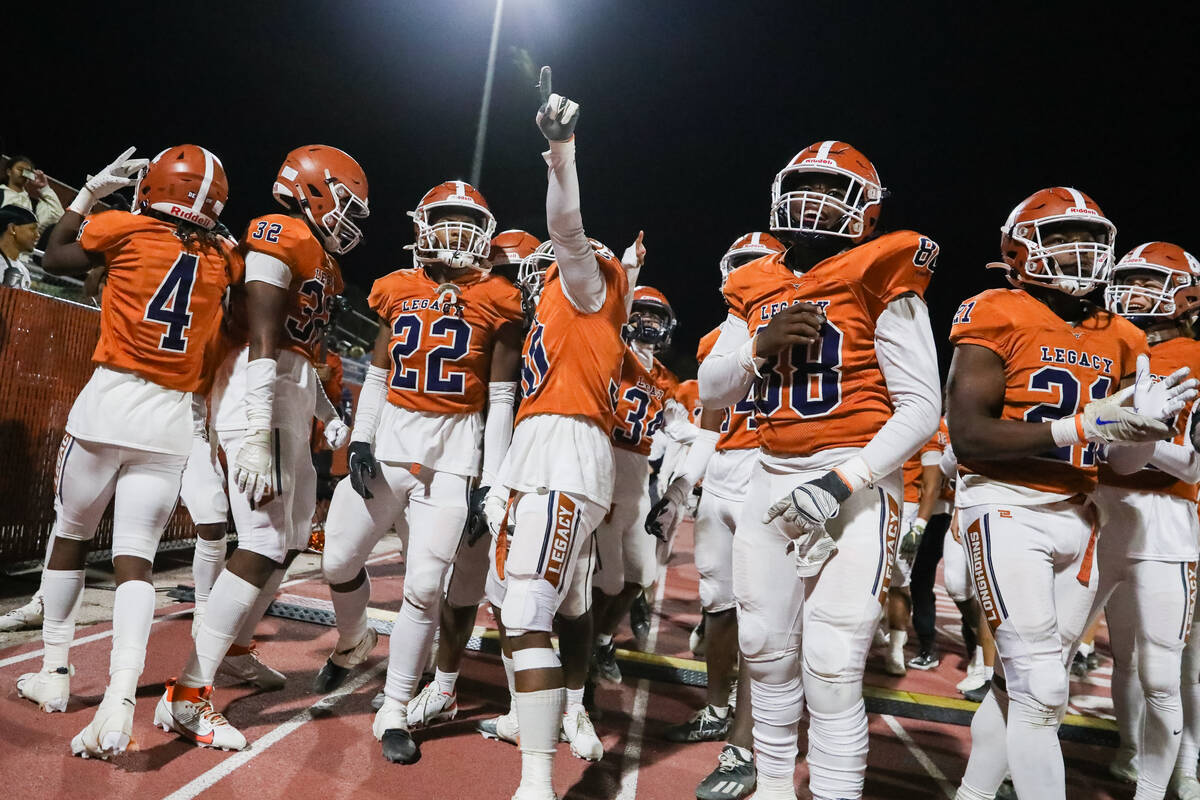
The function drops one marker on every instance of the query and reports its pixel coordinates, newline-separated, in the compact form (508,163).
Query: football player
(449,341)
(264,399)
(130,430)
(837,335)
(1033,387)
(1150,537)
(557,480)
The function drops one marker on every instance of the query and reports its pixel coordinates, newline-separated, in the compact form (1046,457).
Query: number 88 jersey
(441,345)
(832,393)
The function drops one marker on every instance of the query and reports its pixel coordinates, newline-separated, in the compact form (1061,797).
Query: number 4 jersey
(1052,369)
(832,393)
(441,355)
(160,320)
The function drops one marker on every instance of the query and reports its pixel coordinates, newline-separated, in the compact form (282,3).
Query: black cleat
(733,779)
(1079,665)
(399,747)
(639,620)
(330,678)
(977,695)
(704,726)
(604,664)
(925,660)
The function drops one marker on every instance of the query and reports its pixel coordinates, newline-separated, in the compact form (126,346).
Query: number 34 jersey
(1052,369)
(441,355)
(160,320)
(832,393)
(638,402)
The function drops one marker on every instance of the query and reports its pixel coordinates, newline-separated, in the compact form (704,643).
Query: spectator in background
(18,234)
(28,187)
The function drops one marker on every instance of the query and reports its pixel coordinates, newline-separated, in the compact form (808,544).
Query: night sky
(688,110)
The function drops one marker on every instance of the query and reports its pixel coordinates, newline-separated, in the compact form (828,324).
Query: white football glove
(1162,399)
(337,433)
(120,173)
(557,115)
(252,467)
(812,552)
(804,511)
(1108,420)
(495,507)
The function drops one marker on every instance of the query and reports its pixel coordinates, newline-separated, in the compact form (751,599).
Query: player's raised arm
(582,282)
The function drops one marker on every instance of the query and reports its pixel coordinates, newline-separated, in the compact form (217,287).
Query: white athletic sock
(350,610)
(604,639)
(775,787)
(988,762)
(1035,756)
(408,649)
(61,590)
(540,716)
(133,614)
(445,680)
(977,658)
(574,697)
(207,560)
(231,601)
(837,750)
(510,675)
(1127,701)
(896,641)
(776,709)
(266,596)
(721,711)
(1086,648)
(1162,721)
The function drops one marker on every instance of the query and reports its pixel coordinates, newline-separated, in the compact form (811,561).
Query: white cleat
(27,616)
(189,712)
(109,732)
(976,678)
(502,729)
(530,794)
(1183,787)
(432,705)
(881,636)
(392,715)
(50,689)
(577,729)
(244,664)
(1123,767)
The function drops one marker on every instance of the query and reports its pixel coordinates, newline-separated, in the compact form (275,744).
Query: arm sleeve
(325,410)
(49,209)
(726,375)
(267,269)
(948,464)
(371,398)
(498,428)
(908,360)
(632,271)
(582,282)
(704,445)
(1180,460)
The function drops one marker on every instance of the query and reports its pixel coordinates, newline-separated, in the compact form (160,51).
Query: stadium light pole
(481,130)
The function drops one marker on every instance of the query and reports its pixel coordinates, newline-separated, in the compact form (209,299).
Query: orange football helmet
(1175,271)
(747,248)
(330,188)
(828,188)
(457,244)
(1031,246)
(186,182)
(651,320)
(512,246)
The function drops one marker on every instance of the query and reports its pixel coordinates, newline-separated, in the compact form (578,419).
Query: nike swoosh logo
(1105,421)
(1176,733)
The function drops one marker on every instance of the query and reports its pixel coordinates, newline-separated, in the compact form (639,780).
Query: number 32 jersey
(441,355)
(1052,369)
(832,393)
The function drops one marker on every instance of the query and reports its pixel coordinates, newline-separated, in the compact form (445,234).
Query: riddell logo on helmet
(828,162)
(188,214)
(1089,212)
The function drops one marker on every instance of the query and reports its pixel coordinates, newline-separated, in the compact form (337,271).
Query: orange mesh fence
(46,349)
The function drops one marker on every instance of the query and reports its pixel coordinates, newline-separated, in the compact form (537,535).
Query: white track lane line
(95,637)
(207,780)
(922,758)
(632,757)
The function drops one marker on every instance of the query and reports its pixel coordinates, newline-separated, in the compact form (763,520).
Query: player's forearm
(325,410)
(1179,460)
(497,429)
(730,369)
(64,255)
(978,437)
(582,282)
(931,490)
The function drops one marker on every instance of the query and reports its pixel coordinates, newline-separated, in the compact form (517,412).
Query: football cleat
(977,695)
(639,620)
(1184,787)
(340,662)
(1079,668)
(924,660)
(432,705)
(502,729)
(27,616)
(534,794)
(976,677)
(577,729)
(188,711)
(881,637)
(893,663)
(377,701)
(734,778)
(50,689)
(109,733)
(604,663)
(1124,767)
(704,726)
(391,729)
(244,664)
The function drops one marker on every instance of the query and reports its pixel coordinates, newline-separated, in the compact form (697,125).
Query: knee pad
(339,567)
(827,652)
(423,584)
(752,639)
(529,605)
(776,671)
(139,544)
(1158,672)
(828,697)
(1045,693)
(72,532)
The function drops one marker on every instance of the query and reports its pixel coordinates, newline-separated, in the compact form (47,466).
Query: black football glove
(362,464)
(477,525)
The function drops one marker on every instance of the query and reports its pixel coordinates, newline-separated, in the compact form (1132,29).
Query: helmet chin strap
(457,259)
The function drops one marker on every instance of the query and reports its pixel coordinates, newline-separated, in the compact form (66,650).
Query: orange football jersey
(316,278)
(832,393)
(738,426)
(913,469)
(570,358)
(441,346)
(687,394)
(1052,370)
(637,403)
(1165,358)
(160,314)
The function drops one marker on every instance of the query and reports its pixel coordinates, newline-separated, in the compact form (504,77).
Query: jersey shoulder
(896,263)
(752,280)
(664,378)
(990,316)
(102,231)
(287,239)
(707,343)
(394,285)
(503,297)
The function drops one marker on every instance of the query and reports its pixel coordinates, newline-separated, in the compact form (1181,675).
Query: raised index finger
(544,84)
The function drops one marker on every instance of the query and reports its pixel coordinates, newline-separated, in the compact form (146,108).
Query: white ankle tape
(535,658)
